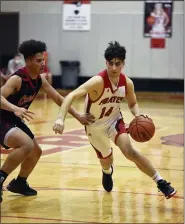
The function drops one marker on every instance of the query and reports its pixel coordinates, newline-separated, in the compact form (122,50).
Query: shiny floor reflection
(68,176)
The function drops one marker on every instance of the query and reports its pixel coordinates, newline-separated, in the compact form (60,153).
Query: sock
(21,178)
(3,176)
(156,177)
(109,171)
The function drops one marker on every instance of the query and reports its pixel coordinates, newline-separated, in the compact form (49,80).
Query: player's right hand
(23,113)
(58,126)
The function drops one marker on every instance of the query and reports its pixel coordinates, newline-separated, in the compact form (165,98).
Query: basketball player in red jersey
(16,96)
(104,94)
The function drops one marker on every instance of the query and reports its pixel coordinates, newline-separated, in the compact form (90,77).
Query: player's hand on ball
(141,128)
(58,126)
(86,119)
(144,115)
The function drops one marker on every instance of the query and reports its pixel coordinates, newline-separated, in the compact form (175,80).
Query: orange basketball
(142,129)
(150,20)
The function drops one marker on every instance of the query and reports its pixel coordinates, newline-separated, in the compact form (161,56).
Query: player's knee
(38,151)
(28,147)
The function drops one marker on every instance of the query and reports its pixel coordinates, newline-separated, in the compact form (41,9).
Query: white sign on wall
(77,15)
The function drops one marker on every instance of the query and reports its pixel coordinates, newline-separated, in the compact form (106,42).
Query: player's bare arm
(131,98)
(93,87)
(12,86)
(58,99)
(51,92)
(90,87)
(166,19)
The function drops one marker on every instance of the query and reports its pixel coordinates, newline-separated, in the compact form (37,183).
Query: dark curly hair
(115,50)
(31,47)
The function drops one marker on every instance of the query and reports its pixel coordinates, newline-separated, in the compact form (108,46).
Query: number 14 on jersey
(106,112)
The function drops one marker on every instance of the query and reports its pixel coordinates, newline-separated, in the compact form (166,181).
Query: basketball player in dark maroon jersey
(16,96)
(104,94)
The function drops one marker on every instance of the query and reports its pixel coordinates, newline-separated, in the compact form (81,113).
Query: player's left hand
(58,126)
(145,116)
(86,119)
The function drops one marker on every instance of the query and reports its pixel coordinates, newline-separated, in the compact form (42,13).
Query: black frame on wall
(9,38)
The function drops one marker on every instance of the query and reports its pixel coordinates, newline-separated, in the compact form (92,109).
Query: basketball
(141,129)
(150,20)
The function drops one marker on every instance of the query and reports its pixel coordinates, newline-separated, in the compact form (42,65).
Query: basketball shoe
(107,181)
(166,189)
(21,187)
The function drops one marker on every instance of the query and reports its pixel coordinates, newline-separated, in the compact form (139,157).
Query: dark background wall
(9,36)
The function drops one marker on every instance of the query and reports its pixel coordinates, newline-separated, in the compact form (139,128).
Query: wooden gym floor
(68,175)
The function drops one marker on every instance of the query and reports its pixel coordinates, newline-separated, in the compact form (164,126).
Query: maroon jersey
(25,96)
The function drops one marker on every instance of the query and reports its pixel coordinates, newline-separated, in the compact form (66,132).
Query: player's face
(158,6)
(37,63)
(114,67)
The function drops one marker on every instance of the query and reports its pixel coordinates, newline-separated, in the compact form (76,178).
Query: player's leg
(22,145)
(118,134)
(30,161)
(106,161)
(107,171)
(101,144)
(123,142)
(20,185)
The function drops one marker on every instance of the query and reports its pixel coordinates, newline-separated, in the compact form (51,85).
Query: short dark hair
(115,50)
(31,47)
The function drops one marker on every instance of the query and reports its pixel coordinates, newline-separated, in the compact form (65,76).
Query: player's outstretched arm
(131,98)
(58,99)
(82,90)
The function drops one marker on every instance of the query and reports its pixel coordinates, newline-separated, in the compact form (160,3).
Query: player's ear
(123,63)
(28,61)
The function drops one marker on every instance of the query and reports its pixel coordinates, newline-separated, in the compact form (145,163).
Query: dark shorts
(6,125)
